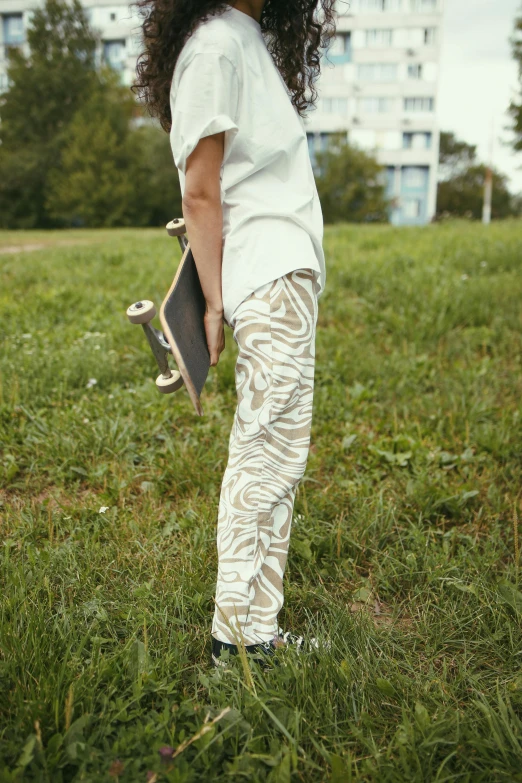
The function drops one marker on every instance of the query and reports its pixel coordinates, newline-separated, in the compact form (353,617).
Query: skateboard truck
(143,312)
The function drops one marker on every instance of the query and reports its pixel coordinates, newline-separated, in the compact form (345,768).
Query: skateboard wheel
(169,385)
(141,312)
(176,228)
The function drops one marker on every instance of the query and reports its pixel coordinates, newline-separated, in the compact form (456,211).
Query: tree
(111,173)
(46,88)
(515,107)
(350,184)
(460,191)
(455,156)
(71,149)
(462,195)
(161,194)
(98,180)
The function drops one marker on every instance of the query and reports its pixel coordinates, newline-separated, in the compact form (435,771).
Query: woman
(229,82)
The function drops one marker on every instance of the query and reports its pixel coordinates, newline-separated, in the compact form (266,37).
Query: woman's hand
(215,332)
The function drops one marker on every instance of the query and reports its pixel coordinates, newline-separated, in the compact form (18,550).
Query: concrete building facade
(116,23)
(378,84)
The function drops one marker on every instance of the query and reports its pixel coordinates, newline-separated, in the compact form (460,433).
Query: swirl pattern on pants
(274,329)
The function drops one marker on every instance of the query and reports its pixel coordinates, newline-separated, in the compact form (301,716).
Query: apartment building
(379,85)
(116,23)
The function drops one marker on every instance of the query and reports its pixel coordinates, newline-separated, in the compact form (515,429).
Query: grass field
(405,550)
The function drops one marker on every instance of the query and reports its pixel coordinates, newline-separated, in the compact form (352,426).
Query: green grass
(405,549)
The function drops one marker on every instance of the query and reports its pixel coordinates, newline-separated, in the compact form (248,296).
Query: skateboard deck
(181,316)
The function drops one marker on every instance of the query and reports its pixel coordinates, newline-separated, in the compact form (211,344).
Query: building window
(430,36)
(391,184)
(379,37)
(415,71)
(415,177)
(13,29)
(418,104)
(340,50)
(412,207)
(317,142)
(377,72)
(416,141)
(335,105)
(370,6)
(371,105)
(324,141)
(424,6)
(114,54)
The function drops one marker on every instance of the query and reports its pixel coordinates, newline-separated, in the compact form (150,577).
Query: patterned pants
(268,449)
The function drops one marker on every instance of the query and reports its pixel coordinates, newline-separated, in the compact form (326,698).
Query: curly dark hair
(295,31)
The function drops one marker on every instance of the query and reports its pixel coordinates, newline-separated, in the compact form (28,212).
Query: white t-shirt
(225,80)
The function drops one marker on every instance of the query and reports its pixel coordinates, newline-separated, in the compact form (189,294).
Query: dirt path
(8,249)
(21,248)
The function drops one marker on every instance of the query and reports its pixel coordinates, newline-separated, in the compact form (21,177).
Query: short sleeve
(204,100)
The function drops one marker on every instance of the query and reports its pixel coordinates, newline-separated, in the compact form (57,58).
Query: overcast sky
(479,76)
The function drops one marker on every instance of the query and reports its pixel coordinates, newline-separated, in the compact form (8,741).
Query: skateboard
(181,316)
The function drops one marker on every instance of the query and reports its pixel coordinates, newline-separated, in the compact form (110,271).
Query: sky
(479,77)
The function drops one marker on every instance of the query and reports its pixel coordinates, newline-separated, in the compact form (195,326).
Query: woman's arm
(203,217)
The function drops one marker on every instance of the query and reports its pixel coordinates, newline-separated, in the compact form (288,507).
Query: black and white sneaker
(299,643)
(261,651)
(289,639)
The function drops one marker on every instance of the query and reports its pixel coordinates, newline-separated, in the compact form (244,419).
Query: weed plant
(405,550)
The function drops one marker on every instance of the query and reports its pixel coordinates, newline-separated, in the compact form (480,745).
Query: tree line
(74,147)
(77,150)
